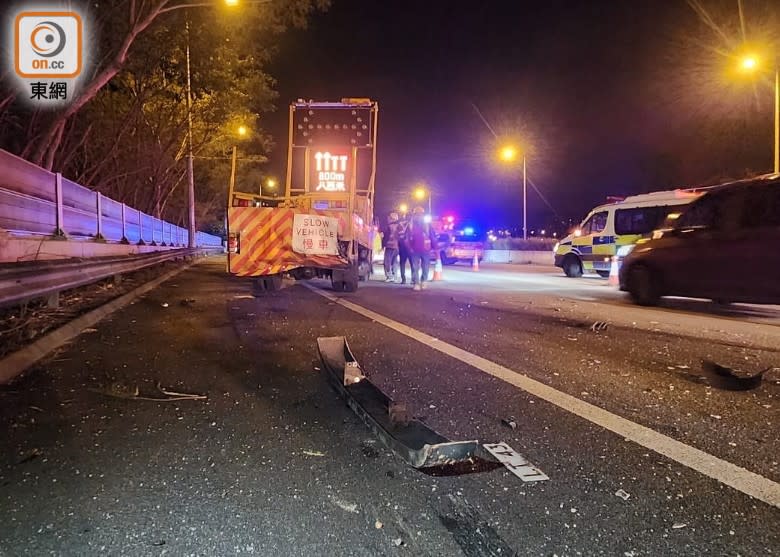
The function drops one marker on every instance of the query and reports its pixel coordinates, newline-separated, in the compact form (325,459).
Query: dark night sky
(579,78)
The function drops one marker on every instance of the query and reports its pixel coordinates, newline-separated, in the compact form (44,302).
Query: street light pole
(777,117)
(190,172)
(525,205)
(233,173)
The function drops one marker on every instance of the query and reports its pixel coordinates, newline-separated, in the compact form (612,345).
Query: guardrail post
(59,227)
(141,229)
(99,207)
(154,230)
(124,239)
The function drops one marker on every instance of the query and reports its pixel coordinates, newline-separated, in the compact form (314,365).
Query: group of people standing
(408,240)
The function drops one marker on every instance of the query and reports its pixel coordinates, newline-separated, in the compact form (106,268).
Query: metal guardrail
(36,201)
(21,282)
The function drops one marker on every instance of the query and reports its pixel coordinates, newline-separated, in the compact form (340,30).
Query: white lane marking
(739,478)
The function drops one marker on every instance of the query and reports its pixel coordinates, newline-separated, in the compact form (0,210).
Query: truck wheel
(572,266)
(603,274)
(643,286)
(263,285)
(350,286)
(338,285)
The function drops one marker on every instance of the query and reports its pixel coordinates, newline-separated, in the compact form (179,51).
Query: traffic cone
(614,278)
(475,263)
(437,270)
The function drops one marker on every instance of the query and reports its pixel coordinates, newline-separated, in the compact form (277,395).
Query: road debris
(32,455)
(131,392)
(510,422)
(678,525)
(89,330)
(187,302)
(164,304)
(622,494)
(398,542)
(313,453)
(378,525)
(180,396)
(599,326)
(516,463)
(343,505)
(722,377)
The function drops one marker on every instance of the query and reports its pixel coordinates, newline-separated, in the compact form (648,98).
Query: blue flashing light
(468,231)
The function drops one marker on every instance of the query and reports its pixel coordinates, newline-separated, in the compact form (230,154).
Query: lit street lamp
(403,208)
(190,171)
(270,184)
(242,132)
(508,154)
(421,193)
(751,63)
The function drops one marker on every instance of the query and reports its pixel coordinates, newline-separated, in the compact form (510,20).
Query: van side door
(600,244)
(695,261)
(753,249)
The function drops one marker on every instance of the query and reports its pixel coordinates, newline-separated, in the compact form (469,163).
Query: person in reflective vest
(391,247)
(422,241)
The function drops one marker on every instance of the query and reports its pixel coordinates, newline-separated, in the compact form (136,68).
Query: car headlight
(623,251)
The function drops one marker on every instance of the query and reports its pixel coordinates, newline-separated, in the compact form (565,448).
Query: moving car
(724,246)
(610,227)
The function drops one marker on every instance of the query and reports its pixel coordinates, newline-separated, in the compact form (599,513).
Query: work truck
(323,224)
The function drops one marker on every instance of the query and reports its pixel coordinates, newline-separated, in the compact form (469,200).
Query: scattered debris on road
(30,456)
(313,453)
(164,304)
(722,377)
(131,392)
(622,494)
(510,422)
(378,525)
(343,505)
(187,302)
(515,462)
(599,326)
(678,525)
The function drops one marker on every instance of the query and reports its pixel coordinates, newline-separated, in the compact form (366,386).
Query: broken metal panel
(410,439)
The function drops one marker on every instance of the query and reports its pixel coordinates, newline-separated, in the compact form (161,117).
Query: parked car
(724,246)
(454,248)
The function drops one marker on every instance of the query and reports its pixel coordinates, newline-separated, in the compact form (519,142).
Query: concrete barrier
(519,257)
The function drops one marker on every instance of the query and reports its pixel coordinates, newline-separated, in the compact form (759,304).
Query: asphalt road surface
(644,456)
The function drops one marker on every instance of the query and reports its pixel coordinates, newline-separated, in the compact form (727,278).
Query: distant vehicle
(724,246)
(454,248)
(612,226)
(456,245)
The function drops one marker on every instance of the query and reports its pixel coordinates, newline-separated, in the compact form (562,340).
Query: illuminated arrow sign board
(330,170)
(348,127)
